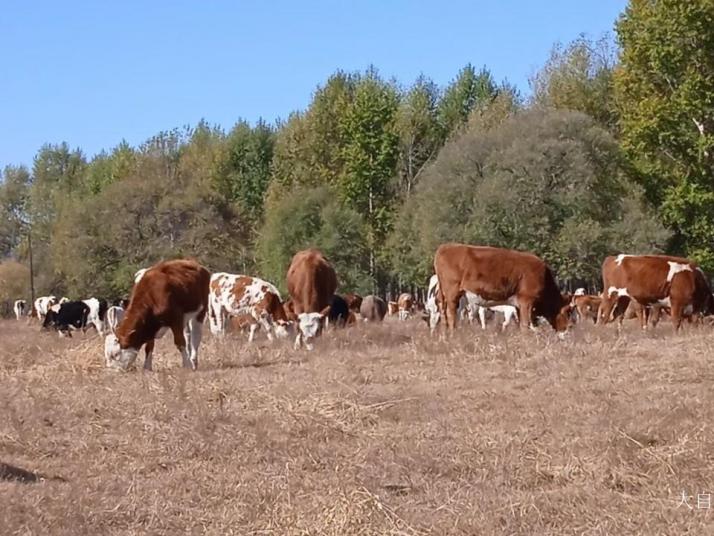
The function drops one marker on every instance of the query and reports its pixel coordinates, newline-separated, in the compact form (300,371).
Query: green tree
(579,77)
(551,182)
(467,91)
(420,135)
(313,217)
(242,171)
(665,93)
(370,154)
(14,191)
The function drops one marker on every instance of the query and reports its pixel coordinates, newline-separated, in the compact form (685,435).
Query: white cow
(42,305)
(19,308)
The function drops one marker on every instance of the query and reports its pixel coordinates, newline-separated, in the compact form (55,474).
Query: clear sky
(93,73)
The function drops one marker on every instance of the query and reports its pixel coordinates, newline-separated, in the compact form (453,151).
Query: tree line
(612,151)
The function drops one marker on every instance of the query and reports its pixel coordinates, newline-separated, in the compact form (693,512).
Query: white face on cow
(117,357)
(283,329)
(310,325)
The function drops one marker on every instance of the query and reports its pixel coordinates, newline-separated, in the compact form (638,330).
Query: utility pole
(32,271)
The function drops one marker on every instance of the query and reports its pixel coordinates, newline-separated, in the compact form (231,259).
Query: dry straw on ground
(381,430)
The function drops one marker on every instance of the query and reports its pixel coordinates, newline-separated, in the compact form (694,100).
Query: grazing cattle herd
(469,282)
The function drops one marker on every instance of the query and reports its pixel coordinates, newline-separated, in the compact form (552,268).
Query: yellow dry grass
(381,430)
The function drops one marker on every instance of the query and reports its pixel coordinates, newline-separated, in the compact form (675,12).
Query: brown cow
(392,308)
(171,295)
(650,280)
(405,304)
(497,277)
(373,309)
(311,283)
(353,301)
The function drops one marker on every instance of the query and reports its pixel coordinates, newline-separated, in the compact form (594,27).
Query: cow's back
(493,272)
(311,281)
(373,308)
(170,288)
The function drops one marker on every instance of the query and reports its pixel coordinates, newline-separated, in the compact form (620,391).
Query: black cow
(339,311)
(68,316)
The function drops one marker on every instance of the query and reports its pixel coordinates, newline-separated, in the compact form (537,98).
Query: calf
(235,295)
(405,305)
(339,314)
(392,308)
(19,308)
(311,283)
(172,295)
(353,301)
(71,315)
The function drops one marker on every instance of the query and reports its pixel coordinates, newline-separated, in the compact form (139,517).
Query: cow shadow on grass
(12,473)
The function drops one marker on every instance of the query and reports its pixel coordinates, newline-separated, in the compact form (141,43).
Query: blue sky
(93,73)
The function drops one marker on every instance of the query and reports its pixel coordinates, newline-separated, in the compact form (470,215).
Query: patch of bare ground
(380,430)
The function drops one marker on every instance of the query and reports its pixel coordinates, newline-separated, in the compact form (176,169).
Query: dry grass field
(380,430)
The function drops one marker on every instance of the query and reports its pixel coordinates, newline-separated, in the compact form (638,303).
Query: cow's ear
(325,311)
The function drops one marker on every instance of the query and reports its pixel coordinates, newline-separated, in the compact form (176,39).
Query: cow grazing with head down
(19,308)
(311,283)
(173,295)
(69,316)
(499,277)
(238,295)
(654,280)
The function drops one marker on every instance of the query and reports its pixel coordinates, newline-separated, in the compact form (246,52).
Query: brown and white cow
(405,305)
(499,277)
(311,283)
(654,280)
(586,305)
(237,295)
(171,295)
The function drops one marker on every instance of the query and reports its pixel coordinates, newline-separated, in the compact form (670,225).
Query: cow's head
(116,356)
(563,319)
(310,325)
(283,328)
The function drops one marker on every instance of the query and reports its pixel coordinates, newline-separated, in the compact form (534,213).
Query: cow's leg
(507,316)
(452,305)
(267,324)
(641,312)
(482,317)
(604,311)
(180,341)
(298,340)
(252,330)
(195,330)
(676,312)
(525,310)
(149,354)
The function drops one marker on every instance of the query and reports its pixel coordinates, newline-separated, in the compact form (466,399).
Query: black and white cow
(97,313)
(69,316)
